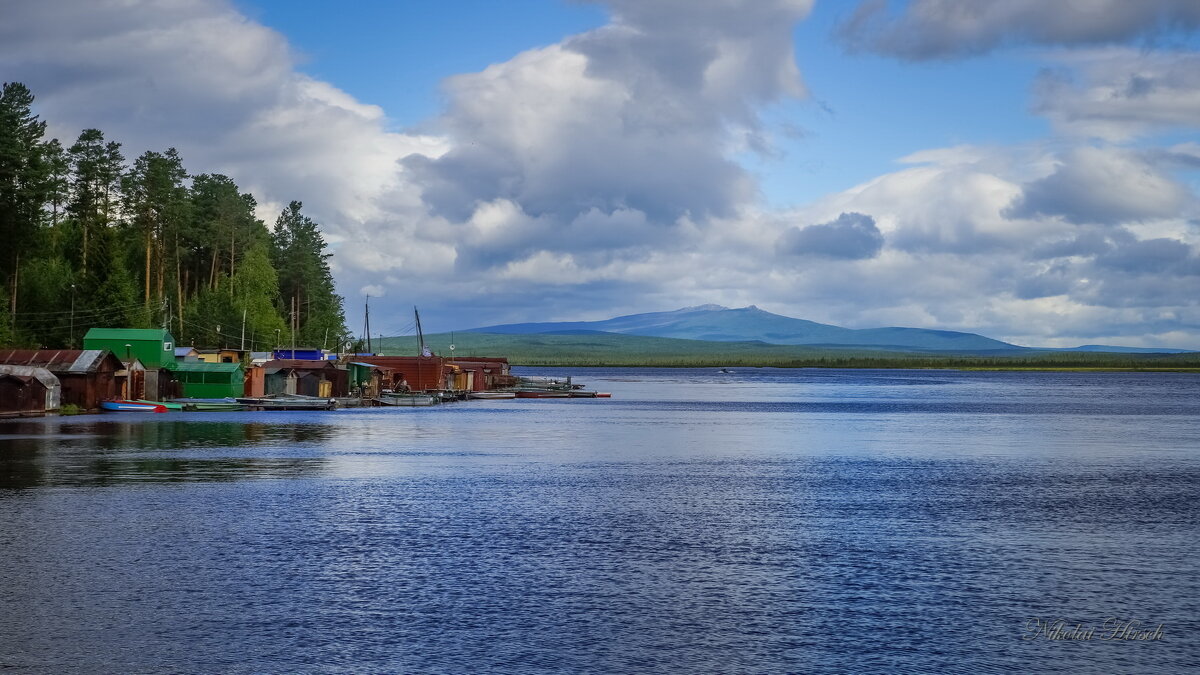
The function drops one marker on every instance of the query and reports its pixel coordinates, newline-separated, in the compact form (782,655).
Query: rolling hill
(715,323)
(720,324)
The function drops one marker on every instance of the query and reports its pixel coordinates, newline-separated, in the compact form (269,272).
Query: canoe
(165,404)
(408,400)
(131,406)
(487,395)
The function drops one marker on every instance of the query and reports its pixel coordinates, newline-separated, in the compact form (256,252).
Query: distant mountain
(722,324)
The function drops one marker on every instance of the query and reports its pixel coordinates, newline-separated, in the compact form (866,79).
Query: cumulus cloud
(941,29)
(1119,94)
(596,176)
(625,129)
(1102,185)
(853,236)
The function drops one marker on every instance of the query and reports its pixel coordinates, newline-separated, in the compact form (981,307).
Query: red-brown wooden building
(88,376)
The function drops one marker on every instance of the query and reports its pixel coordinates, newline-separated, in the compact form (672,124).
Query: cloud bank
(598,175)
(943,29)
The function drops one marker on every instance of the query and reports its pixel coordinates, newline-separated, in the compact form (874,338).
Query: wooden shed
(422,373)
(308,378)
(28,391)
(87,376)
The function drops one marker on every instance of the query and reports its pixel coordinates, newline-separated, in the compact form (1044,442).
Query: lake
(765,520)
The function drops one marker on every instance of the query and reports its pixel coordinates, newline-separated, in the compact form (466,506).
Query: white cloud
(939,29)
(594,177)
(1118,94)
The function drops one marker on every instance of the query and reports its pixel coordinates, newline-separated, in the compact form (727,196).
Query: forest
(91,238)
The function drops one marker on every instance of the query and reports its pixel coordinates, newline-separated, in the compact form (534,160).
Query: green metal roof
(202,367)
(129,334)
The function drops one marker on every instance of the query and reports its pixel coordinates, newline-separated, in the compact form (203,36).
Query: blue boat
(131,406)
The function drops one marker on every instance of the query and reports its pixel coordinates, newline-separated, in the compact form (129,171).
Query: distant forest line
(94,240)
(612,349)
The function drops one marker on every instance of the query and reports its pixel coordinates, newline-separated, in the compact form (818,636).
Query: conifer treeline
(90,240)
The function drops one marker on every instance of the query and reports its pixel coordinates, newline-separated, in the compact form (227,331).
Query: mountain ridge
(716,323)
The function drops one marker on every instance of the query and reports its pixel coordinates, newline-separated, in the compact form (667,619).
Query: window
(168,347)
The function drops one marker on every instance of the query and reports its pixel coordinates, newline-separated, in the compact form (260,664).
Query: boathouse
(87,376)
(154,347)
(307,378)
(490,372)
(421,373)
(28,391)
(367,378)
(300,354)
(219,355)
(186,354)
(199,379)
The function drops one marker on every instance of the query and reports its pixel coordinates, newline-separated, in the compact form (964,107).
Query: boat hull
(543,394)
(413,401)
(131,406)
(490,395)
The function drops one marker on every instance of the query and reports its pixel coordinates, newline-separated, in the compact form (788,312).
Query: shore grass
(613,350)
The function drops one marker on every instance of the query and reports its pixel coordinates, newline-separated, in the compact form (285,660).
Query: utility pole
(367,324)
(293,326)
(243,329)
(72,316)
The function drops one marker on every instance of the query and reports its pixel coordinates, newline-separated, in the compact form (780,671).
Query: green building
(155,348)
(210,380)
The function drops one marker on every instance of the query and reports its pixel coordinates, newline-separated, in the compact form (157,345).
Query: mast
(420,335)
(367,324)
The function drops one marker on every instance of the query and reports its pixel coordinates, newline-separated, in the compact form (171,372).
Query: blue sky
(1022,169)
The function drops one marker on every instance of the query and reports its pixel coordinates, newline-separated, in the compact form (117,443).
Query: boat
(131,406)
(214,406)
(165,404)
(542,393)
(579,393)
(407,400)
(288,402)
(488,395)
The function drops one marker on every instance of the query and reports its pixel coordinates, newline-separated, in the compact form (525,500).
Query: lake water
(760,521)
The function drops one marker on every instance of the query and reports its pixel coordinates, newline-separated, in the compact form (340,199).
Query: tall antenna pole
(367,324)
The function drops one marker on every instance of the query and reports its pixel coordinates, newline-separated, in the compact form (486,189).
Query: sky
(1023,169)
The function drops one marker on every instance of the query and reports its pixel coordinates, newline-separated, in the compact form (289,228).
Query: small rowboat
(168,406)
(487,395)
(408,400)
(529,393)
(131,406)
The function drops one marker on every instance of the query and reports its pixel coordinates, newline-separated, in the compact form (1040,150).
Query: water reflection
(101,452)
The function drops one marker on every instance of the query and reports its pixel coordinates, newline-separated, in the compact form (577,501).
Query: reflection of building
(87,376)
(28,390)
